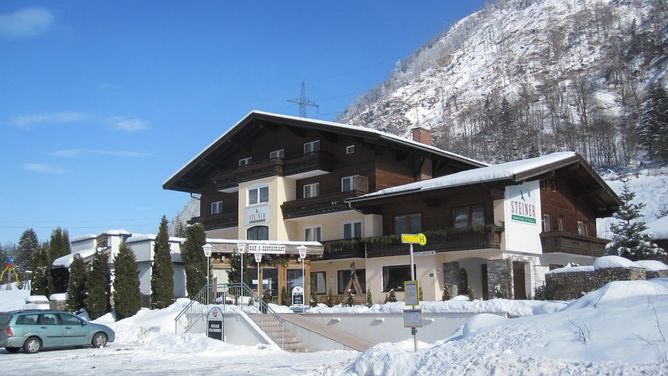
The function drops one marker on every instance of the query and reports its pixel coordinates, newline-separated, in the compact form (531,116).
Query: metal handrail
(238,295)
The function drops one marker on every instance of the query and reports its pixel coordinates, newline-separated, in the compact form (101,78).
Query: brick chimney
(422,135)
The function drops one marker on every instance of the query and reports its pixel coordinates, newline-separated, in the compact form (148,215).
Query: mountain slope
(525,77)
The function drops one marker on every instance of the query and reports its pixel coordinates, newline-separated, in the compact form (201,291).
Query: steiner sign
(420,239)
(214,323)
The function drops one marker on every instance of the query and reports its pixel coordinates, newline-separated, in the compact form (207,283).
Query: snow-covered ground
(618,329)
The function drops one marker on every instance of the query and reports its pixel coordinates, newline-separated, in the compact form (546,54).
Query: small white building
(141,244)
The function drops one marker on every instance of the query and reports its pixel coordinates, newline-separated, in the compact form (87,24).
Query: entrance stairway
(275,329)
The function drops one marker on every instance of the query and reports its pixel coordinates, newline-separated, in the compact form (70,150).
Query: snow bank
(612,331)
(509,307)
(571,269)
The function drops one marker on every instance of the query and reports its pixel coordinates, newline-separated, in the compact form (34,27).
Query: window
(394,277)
(258,195)
(561,221)
(27,319)
(216,207)
(582,228)
(352,230)
(311,190)
(408,223)
(245,161)
(348,183)
(313,234)
(48,319)
(319,282)
(343,277)
(350,149)
(311,147)
(468,217)
(277,154)
(258,233)
(546,223)
(294,280)
(66,319)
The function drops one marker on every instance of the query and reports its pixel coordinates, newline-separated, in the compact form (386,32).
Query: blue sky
(102,101)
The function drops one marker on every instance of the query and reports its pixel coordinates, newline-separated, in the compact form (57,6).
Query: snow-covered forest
(525,77)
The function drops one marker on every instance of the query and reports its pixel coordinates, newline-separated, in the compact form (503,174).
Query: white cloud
(65,153)
(62,117)
(26,22)
(42,168)
(128,125)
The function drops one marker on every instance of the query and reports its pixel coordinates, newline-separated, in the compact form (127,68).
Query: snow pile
(569,269)
(652,265)
(513,308)
(577,340)
(609,262)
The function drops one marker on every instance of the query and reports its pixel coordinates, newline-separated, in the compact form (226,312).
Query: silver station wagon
(34,330)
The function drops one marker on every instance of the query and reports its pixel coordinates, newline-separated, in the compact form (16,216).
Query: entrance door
(519,285)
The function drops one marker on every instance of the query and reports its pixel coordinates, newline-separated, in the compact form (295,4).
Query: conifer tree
(127,298)
(162,273)
(76,286)
(194,259)
(628,239)
(98,286)
(653,126)
(28,245)
(59,246)
(40,272)
(234,275)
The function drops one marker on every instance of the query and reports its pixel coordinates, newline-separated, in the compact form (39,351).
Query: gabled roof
(508,173)
(176,181)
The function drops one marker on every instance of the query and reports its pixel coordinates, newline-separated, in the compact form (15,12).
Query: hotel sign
(255,215)
(522,205)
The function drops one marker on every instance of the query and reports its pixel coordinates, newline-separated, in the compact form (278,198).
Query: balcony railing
(343,248)
(448,240)
(328,203)
(217,221)
(557,241)
(317,161)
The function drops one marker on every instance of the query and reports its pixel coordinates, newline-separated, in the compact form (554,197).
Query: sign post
(214,324)
(413,316)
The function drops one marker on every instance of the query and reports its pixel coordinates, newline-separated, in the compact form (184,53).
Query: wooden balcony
(557,241)
(217,221)
(451,240)
(340,249)
(317,162)
(318,205)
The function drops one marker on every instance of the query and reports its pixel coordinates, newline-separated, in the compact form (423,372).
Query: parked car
(34,330)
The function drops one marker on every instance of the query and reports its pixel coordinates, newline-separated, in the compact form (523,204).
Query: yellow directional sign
(420,239)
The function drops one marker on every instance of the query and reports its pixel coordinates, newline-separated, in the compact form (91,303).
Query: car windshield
(4,318)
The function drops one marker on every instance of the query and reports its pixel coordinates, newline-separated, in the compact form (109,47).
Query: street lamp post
(241,248)
(207,252)
(302,256)
(258,259)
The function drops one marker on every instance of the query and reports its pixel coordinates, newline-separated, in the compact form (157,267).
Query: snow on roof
(659,228)
(501,171)
(136,238)
(382,134)
(83,237)
(66,260)
(93,236)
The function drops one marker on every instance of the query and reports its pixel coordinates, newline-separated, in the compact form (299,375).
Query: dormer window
(277,154)
(311,147)
(350,149)
(245,161)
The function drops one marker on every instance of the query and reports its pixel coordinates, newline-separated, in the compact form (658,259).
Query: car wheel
(32,345)
(99,340)
(12,350)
